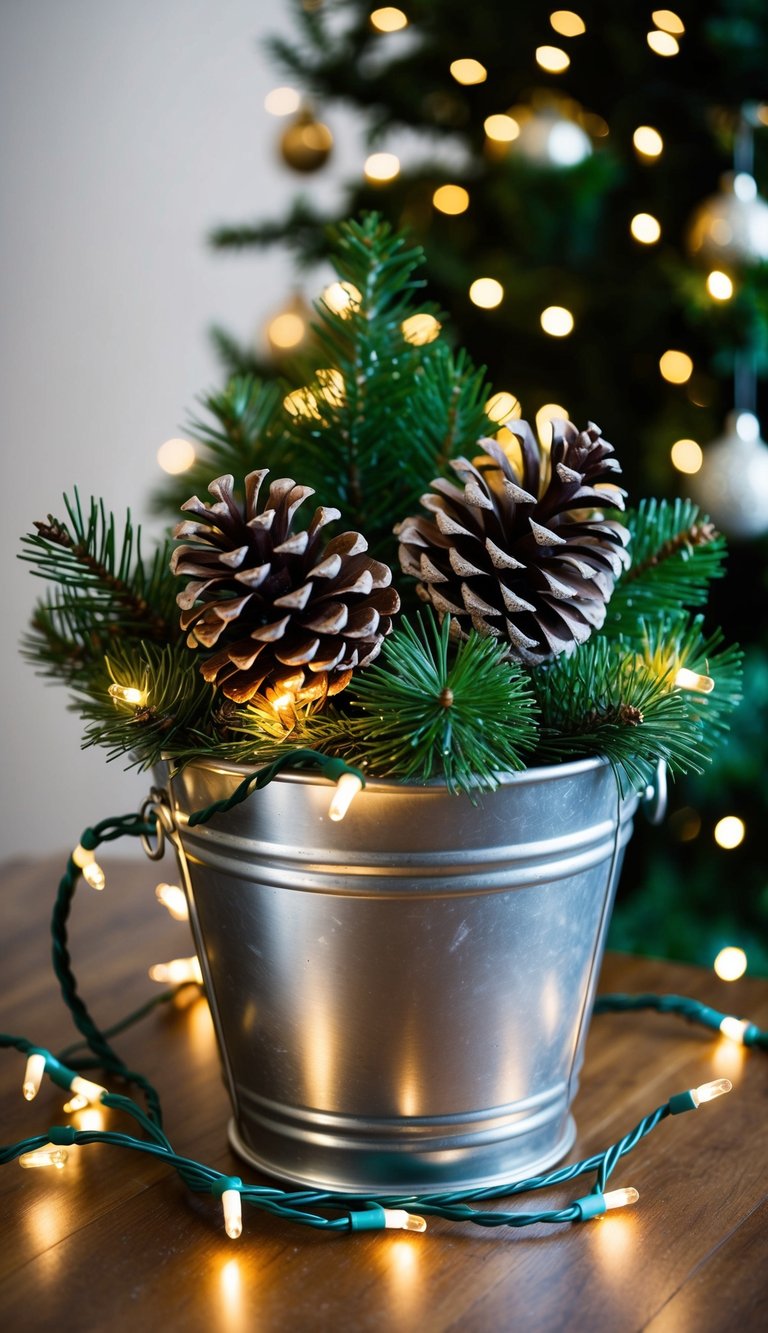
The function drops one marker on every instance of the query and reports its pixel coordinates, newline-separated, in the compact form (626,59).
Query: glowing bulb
(668,21)
(503,407)
(283,101)
(557,321)
(233,1213)
(342,298)
(503,129)
(663,43)
(567,23)
(645,228)
(731,963)
(451,199)
(94,876)
(693,680)
(676,367)
(735,1028)
(744,187)
(381,167)
(399,1219)
(708,1092)
(86,1094)
(747,426)
(420,329)
(648,142)
(77,1103)
(82,856)
(33,1075)
(468,71)
(729,832)
(286,330)
(173,898)
(552,59)
(620,1198)
(301,403)
(332,387)
(347,787)
(388,19)
(719,285)
(686,456)
(50,1155)
(178,970)
(176,456)
(486,293)
(127,694)
(545,416)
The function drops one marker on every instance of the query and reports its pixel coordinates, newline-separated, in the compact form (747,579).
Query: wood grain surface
(115,1242)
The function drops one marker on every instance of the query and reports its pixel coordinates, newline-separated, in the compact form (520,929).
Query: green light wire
(358,1212)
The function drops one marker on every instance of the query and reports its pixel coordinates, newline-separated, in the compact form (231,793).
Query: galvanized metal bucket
(401,999)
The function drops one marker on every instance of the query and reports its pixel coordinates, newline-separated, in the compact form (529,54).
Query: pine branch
(303,229)
(604,699)
(174,715)
(676,552)
(437,709)
(678,641)
(104,592)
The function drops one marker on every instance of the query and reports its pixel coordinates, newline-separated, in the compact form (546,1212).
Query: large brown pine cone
(518,556)
(286,612)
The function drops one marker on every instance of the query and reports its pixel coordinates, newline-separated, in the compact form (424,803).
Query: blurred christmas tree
(585,186)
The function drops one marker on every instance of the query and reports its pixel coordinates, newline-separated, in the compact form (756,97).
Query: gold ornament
(306,144)
(730,228)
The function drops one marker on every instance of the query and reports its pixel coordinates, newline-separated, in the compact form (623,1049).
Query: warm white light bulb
(648,142)
(82,856)
(729,832)
(84,1087)
(707,1092)
(620,1198)
(730,963)
(486,293)
(347,787)
(388,19)
(687,456)
(557,321)
(663,43)
(501,128)
(94,876)
(76,1103)
(127,694)
(380,168)
(734,1028)
(342,298)
(468,71)
(176,456)
(33,1075)
(233,1213)
(552,58)
(174,899)
(49,1155)
(399,1219)
(451,199)
(719,285)
(645,228)
(693,680)
(176,971)
(283,101)
(420,329)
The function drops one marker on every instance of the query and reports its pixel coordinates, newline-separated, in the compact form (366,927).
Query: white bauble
(550,139)
(731,227)
(732,485)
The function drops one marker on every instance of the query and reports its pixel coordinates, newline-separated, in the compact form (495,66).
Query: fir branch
(437,709)
(175,714)
(676,552)
(605,699)
(678,640)
(107,577)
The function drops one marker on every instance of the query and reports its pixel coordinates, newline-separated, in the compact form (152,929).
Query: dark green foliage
(433,709)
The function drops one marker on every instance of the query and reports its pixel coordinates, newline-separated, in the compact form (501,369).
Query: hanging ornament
(288,330)
(306,144)
(731,227)
(550,132)
(732,484)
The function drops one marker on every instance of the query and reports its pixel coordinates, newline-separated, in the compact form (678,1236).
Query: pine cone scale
(524,552)
(285,612)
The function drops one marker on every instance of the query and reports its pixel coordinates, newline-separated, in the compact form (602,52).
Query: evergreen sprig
(678,640)
(606,699)
(676,552)
(176,713)
(434,709)
(104,591)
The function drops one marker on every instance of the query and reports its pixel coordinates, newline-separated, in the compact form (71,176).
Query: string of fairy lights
(327,1210)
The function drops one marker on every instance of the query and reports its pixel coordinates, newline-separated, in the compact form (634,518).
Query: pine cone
(286,612)
(517,556)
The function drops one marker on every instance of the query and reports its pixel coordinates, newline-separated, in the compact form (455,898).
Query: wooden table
(114,1242)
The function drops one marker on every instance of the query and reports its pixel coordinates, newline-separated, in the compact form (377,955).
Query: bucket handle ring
(156,808)
(655,795)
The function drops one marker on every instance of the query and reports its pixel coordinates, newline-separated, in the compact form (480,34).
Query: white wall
(129,128)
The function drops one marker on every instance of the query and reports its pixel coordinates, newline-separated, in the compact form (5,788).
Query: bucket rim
(525,776)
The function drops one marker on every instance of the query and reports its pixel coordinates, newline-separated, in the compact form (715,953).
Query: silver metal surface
(401,999)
